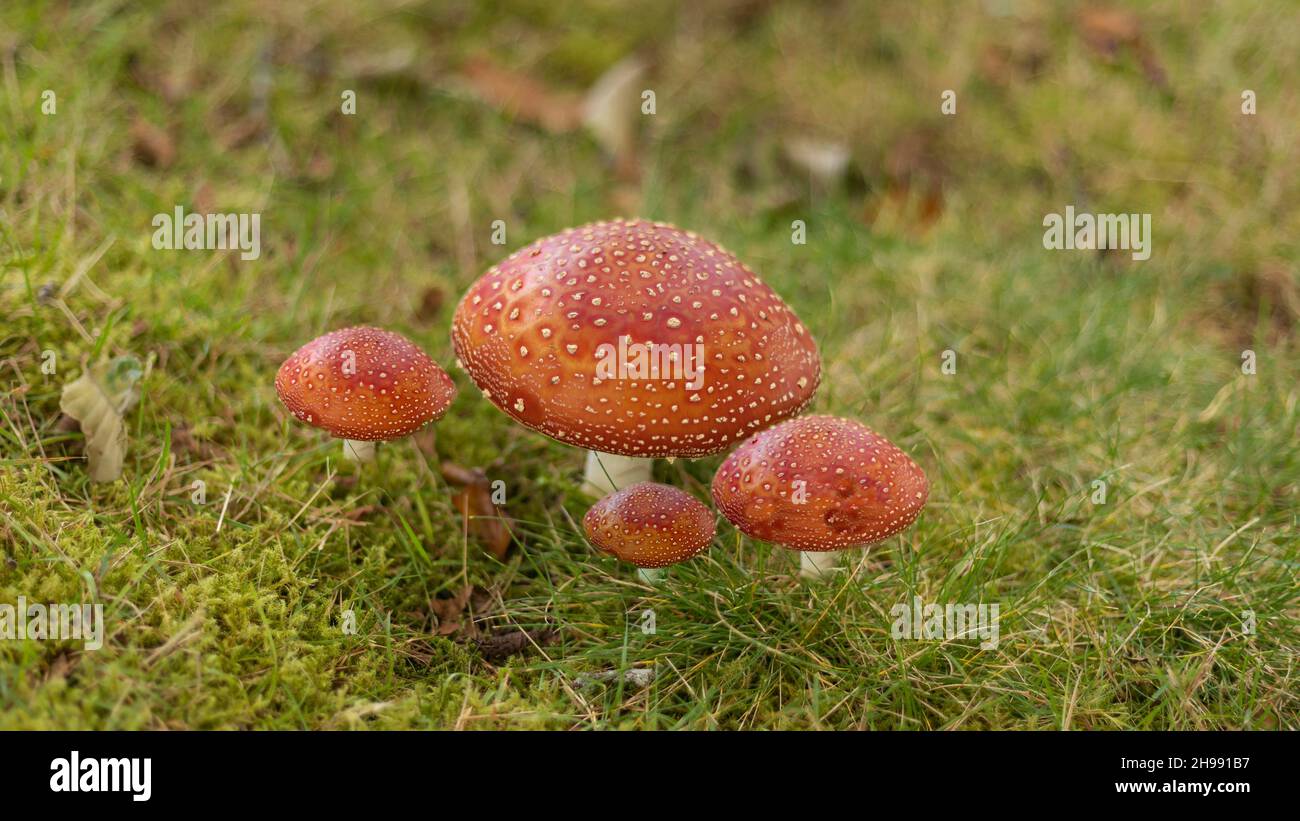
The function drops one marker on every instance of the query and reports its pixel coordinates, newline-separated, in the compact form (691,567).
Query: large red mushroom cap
(650,525)
(556,336)
(820,483)
(364,384)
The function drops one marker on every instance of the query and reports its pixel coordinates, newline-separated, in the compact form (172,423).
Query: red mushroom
(364,385)
(820,483)
(634,340)
(650,525)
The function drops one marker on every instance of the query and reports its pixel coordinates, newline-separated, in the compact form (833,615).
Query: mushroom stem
(606,473)
(651,575)
(817,564)
(355,450)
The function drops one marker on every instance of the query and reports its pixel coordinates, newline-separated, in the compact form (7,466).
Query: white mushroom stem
(606,473)
(355,450)
(818,564)
(651,575)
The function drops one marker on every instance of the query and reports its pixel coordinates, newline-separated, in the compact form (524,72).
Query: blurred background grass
(923,235)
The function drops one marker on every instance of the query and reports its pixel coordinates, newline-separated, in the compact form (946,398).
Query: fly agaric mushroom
(650,525)
(820,483)
(634,340)
(364,385)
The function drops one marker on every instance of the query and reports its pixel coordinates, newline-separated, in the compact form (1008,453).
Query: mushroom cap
(858,486)
(540,334)
(364,384)
(650,525)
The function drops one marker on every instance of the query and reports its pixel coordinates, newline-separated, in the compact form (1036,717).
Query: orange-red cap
(364,384)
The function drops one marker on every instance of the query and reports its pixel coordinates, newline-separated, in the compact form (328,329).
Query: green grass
(1071,366)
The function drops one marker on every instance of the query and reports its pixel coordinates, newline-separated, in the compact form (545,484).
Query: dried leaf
(62,665)
(916,157)
(400,63)
(243,131)
(319,168)
(431,302)
(458,475)
(185,443)
(823,160)
(426,441)
(98,399)
(522,97)
(611,111)
(912,196)
(474,502)
(1022,57)
(449,610)
(637,677)
(1107,31)
(501,646)
(360,512)
(152,145)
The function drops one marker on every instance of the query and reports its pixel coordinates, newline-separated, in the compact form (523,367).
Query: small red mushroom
(820,483)
(634,340)
(364,385)
(650,525)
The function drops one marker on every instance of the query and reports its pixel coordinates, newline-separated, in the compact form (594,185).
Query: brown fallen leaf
(426,441)
(522,97)
(185,443)
(152,145)
(449,610)
(360,512)
(474,502)
(1106,30)
(204,199)
(62,665)
(459,475)
(430,303)
(319,168)
(915,177)
(242,131)
(1109,31)
(502,645)
(459,615)
(1018,58)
